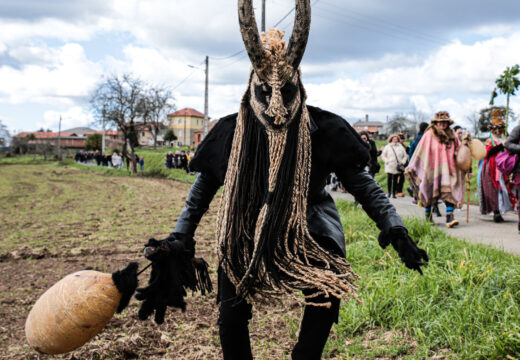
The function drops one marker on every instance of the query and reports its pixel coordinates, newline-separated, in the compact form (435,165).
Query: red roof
(107,132)
(188,112)
(44,134)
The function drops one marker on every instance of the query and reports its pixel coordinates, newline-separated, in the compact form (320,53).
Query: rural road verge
(480,229)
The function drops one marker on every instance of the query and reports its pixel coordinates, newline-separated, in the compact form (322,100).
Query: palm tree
(507,84)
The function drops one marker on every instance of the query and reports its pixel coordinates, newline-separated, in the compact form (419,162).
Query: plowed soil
(55,221)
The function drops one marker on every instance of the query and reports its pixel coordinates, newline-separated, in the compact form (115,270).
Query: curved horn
(249,30)
(300,34)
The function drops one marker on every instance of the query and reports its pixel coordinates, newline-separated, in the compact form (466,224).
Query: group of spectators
(179,160)
(115,160)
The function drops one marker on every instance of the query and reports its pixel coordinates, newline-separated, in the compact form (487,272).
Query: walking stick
(467,204)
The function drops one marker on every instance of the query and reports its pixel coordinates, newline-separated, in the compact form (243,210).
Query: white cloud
(64,75)
(457,77)
(75,116)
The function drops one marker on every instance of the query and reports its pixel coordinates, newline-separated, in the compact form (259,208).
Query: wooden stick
(467,190)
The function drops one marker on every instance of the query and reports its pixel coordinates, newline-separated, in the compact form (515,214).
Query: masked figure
(278,230)
(493,190)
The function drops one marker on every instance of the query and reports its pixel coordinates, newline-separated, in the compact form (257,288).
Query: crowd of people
(114,160)
(430,165)
(179,160)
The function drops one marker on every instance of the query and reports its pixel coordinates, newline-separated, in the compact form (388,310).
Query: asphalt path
(480,228)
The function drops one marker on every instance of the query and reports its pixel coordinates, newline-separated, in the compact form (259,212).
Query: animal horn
(300,34)
(250,35)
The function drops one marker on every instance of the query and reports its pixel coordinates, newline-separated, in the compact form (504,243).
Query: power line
(382,23)
(275,25)
(187,77)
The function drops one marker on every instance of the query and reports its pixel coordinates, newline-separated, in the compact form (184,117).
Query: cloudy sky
(375,57)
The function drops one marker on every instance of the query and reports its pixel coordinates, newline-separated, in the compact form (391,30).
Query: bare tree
(418,117)
(4,135)
(154,107)
(118,102)
(474,121)
(400,123)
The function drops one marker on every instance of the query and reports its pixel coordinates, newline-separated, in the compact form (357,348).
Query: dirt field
(55,221)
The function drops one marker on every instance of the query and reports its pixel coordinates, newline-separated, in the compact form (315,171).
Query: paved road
(480,229)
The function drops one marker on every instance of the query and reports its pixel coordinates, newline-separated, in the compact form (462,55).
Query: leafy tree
(118,102)
(507,83)
(94,142)
(169,136)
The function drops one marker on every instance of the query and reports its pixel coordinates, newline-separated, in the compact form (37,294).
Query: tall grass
(467,301)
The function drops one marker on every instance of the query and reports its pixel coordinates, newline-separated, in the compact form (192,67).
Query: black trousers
(391,180)
(400,182)
(235,314)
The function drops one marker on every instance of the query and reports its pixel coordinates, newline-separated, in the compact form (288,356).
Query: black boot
(451,221)
(497,217)
(436,210)
(429,218)
(393,196)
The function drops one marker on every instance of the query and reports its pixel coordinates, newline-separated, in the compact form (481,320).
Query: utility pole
(59,140)
(103,137)
(263,15)
(206,118)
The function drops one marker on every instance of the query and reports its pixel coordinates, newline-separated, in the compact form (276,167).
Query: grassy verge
(467,302)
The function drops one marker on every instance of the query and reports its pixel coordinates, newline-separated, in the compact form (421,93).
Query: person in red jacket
(493,190)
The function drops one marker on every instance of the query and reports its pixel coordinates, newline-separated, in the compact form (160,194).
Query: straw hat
(497,117)
(393,136)
(442,116)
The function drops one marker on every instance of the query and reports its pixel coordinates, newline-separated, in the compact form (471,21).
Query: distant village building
(145,134)
(199,135)
(68,140)
(374,127)
(185,123)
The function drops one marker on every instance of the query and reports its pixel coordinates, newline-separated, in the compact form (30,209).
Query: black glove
(174,270)
(411,255)
(495,150)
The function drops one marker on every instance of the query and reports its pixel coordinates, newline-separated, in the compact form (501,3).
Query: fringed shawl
(433,173)
(265,247)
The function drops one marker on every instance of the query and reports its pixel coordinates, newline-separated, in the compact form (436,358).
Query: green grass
(466,302)
(26,160)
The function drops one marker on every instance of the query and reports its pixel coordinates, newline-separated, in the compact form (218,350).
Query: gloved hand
(411,255)
(495,150)
(173,271)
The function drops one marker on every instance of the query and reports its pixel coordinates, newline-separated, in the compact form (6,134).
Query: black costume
(278,230)
(336,147)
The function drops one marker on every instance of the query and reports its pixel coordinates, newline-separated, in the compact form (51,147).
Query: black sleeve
(512,143)
(202,192)
(372,198)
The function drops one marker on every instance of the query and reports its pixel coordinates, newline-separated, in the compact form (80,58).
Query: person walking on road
(513,146)
(433,173)
(394,156)
(493,186)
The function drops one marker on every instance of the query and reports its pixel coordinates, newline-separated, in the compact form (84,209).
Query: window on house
(179,133)
(142,133)
(179,121)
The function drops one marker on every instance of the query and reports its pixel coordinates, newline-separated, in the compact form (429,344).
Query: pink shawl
(433,174)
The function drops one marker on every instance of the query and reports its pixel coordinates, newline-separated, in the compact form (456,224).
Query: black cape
(336,147)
